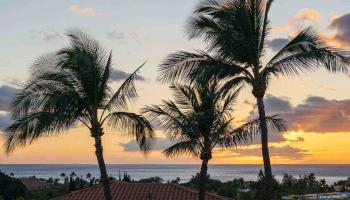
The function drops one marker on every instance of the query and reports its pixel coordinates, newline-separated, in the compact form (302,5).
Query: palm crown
(201,118)
(71,86)
(235,32)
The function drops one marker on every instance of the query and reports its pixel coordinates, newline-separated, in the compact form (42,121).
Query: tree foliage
(11,188)
(71,86)
(201,118)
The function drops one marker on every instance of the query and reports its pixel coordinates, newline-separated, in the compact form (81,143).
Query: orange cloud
(284,28)
(341,36)
(302,15)
(336,42)
(85,10)
(308,14)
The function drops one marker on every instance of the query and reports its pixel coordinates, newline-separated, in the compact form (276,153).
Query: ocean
(331,173)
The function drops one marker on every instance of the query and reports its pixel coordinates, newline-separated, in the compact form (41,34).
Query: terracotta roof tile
(139,191)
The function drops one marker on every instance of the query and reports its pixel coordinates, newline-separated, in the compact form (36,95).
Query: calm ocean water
(331,173)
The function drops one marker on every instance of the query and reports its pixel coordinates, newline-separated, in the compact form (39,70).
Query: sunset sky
(315,105)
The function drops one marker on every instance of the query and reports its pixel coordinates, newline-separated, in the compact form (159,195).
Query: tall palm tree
(71,86)
(63,175)
(199,120)
(235,32)
(88,176)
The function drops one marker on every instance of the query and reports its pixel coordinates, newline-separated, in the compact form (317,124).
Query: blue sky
(159,25)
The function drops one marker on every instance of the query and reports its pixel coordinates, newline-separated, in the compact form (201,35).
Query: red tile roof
(140,191)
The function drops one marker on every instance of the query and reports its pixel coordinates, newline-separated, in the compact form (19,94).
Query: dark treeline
(238,189)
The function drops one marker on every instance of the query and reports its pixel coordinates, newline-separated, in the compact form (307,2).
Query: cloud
(124,36)
(308,15)
(4,120)
(318,114)
(315,114)
(46,35)
(277,44)
(12,82)
(275,105)
(285,152)
(340,24)
(159,144)
(118,75)
(274,137)
(291,26)
(6,94)
(326,87)
(134,35)
(88,10)
(118,35)
(288,152)
(304,15)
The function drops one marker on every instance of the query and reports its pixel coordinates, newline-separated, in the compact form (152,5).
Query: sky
(315,105)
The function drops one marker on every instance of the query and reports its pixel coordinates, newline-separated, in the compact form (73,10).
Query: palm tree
(70,86)
(63,175)
(235,32)
(88,176)
(199,120)
(73,174)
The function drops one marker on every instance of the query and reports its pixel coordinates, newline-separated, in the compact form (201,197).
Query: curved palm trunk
(102,166)
(202,179)
(265,150)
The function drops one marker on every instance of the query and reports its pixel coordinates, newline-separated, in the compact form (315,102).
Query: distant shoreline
(224,172)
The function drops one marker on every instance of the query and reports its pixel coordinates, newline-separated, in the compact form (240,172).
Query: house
(340,188)
(140,191)
(34,184)
(335,195)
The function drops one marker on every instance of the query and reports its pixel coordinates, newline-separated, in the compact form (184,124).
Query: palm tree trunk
(102,166)
(202,179)
(265,150)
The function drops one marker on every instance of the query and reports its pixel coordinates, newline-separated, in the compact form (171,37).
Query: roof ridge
(122,182)
(78,191)
(115,184)
(195,190)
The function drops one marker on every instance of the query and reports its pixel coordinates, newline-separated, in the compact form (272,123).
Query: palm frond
(184,147)
(180,65)
(231,28)
(248,131)
(103,88)
(87,60)
(132,124)
(45,89)
(174,123)
(228,100)
(186,66)
(29,127)
(126,92)
(275,122)
(265,27)
(185,97)
(306,52)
